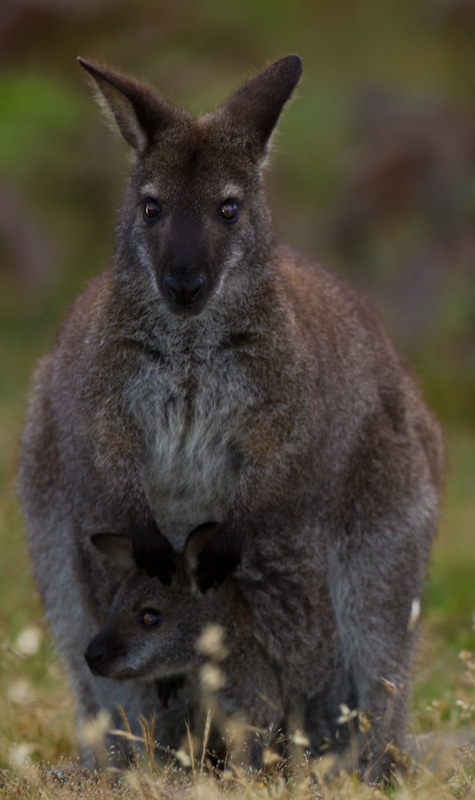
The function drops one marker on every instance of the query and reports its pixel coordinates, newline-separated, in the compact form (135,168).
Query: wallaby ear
(194,544)
(134,108)
(255,107)
(117,548)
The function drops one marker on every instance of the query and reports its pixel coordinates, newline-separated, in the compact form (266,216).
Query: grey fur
(274,403)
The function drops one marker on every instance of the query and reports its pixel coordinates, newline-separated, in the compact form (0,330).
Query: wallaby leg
(375,577)
(252,692)
(323,710)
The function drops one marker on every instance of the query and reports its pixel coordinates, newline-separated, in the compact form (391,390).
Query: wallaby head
(194,213)
(152,630)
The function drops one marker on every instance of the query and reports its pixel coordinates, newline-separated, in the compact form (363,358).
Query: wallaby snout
(95,656)
(104,653)
(184,256)
(184,290)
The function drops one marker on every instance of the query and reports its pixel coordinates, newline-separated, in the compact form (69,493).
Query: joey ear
(136,109)
(257,105)
(117,548)
(194,544)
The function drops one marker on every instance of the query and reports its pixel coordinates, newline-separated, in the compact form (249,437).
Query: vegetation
(374,173)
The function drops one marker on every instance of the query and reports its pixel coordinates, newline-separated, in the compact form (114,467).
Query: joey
(156,633)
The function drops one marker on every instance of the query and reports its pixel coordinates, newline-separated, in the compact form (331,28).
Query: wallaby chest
(190,412)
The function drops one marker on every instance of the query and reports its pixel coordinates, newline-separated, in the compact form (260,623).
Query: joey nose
(184,292)
(95,655)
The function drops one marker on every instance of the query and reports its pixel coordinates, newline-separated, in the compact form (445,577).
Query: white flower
(346,714)
(20,755)
(183,757)
(300,739)
(211,643)
(414,614)
(211,677)
(94,730)
(21,693)
(29,641)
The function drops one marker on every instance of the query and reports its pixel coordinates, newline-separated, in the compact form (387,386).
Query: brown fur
(273,402)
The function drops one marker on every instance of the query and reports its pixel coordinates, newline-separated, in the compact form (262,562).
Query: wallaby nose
(95,655)
(183,292)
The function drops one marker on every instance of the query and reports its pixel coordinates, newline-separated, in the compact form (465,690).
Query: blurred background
(373,173)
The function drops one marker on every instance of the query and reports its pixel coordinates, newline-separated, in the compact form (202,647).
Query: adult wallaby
(155,632)
(212,374)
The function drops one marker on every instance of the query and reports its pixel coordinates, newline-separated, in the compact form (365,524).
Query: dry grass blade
(131,738)
(205,739)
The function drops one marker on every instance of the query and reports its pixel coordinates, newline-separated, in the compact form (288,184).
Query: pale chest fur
(191,415)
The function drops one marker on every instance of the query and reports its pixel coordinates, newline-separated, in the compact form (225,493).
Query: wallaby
(212,374)
(155,632)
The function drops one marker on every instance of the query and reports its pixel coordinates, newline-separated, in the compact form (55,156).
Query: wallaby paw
(157,559)
(216,561)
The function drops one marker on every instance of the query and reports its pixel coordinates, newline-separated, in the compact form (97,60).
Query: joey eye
(229,211)
(150,617)
(151,210)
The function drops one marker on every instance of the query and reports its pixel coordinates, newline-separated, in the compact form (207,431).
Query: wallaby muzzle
(101,653)
(95,655)
(186,265)
(184,292)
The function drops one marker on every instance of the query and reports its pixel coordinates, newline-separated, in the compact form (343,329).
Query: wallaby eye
(229,211)
(151,210)
(150,617)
